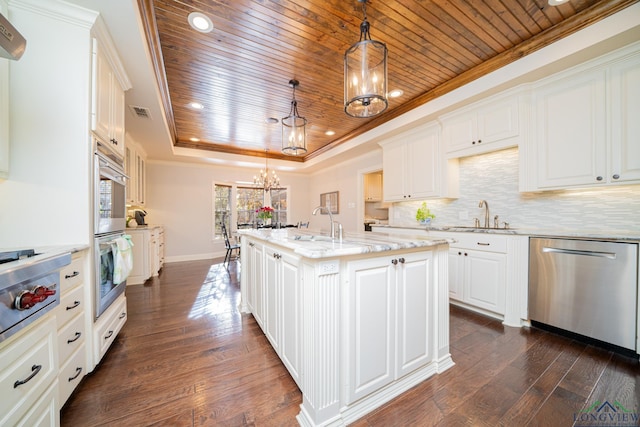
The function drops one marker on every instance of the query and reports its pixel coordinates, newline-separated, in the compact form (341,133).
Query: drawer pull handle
(401,260)
(76,338)
(108,335)
(78,372)
(122,315)
(75,304)
(72,275)
(35,369)
(484,244)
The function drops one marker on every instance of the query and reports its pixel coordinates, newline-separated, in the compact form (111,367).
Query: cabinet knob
(616,176)
(401,260)
(599,178)
(394,261)
(114,141)
(473,143)
(465,254)
(479,141)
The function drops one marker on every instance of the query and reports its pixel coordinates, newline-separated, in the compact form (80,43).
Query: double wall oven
(110,222)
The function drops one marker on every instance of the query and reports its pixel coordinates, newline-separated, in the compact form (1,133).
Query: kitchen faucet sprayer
(483,203)
(333,227)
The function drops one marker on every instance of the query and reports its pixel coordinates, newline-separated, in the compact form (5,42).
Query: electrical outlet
(463,215)
(328,267)
(352,205)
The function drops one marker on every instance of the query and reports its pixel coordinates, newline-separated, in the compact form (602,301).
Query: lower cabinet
(148,253)
(389,332)
(107,327)
(28,379)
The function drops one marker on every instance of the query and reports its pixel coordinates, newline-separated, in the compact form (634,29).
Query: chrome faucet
(333,224)
(485,205)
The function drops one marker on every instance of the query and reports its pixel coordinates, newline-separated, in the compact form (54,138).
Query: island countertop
(316,244)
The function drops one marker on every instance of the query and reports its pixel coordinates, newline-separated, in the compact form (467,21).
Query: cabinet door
(456,273)
(498,121)
(290,344)
(129,170)
(271,297)
(373,187)
(140,180)
(485,282)
(258,286)
(625,128)
(459,132)
(117,118)
(371,330)
(415,322)
(571,134)
(423,164)
(393,165)
(102,81)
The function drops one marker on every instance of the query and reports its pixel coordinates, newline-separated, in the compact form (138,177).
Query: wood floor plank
(188,357)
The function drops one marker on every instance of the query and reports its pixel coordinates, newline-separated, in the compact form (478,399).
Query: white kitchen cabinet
(72,316)
(373,187)
(108,326)
(490,125)
(282,306)
(4,113)
(135,169)
(32,357)
(108,99)
(586,132)
(389,329)
(253,274)
(148,251)
(414,167)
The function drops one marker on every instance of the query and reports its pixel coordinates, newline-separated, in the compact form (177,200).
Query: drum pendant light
(365,74)
(294,131)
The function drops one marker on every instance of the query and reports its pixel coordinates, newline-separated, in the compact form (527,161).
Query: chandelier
(266,180)
(294,132)
(365,74)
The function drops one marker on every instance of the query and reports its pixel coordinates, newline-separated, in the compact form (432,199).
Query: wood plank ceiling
(240,71)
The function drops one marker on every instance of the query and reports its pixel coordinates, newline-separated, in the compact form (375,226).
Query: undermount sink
(467,227)
(312,238)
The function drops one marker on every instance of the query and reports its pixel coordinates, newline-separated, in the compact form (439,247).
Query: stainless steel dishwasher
(586,287)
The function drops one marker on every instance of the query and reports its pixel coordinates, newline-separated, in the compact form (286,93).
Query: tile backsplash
(494,178)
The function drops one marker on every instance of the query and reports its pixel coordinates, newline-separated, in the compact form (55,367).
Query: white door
(486,280)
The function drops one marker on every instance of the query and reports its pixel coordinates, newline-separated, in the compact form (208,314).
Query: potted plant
(264,213)
(424,215)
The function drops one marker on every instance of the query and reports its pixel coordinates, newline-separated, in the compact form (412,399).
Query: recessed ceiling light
(395,93)
(200,22)
(194,139)
(329,133)
(271,120)
(196,105)
(556,2)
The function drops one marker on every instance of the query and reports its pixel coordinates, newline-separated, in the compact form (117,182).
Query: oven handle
(609,255)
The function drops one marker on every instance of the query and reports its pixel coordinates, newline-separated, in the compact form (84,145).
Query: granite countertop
(604,234)
(43,253)
(315,244)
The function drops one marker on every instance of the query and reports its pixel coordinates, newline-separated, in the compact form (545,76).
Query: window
(279,204)
(222,208)
(242,213)
(248,200)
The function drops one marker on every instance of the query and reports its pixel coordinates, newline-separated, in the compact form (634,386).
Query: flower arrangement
(265,212)
(424,215)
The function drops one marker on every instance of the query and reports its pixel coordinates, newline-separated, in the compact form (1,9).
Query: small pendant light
(294,131)
(365,74)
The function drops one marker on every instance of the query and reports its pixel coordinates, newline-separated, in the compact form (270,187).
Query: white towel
(122,258)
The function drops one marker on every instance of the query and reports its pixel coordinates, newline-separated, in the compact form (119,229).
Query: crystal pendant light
(365,74)
(265,180)
(294,131)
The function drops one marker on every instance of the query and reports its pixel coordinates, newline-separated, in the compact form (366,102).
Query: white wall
(180,198)
(46,198)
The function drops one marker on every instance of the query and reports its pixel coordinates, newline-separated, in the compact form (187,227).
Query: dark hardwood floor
(188,357)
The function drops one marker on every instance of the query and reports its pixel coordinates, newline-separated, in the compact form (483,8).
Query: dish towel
(122,258)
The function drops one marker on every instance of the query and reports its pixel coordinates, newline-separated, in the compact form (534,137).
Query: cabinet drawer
(476,241)
(71,275)
(70,338)
(71,304)
(31,359)
(72,373)
(109,326)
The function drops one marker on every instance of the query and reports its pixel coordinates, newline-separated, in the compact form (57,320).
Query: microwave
(110,209)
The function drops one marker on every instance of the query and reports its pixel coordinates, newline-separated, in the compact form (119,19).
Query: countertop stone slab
(43,252)
(316,244)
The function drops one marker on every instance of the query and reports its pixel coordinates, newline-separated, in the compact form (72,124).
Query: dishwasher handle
(609,255)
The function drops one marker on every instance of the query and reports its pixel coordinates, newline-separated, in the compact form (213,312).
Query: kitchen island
(356,321)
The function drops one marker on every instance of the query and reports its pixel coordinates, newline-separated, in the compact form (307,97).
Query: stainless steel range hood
(12,44)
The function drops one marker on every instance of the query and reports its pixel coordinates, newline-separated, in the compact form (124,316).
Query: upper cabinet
(490,125)
(373,187)
(135,169)
(414,167)
(109,83)
(586,131)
